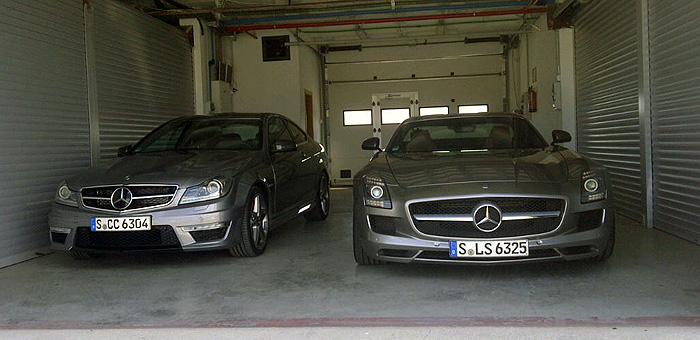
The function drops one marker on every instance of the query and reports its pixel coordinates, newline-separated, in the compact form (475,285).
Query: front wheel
(255,226)
(323,201)
(361,256)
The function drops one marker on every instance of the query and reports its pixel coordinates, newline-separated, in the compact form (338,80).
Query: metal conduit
(269,7)
(382,20)
(375,11)
(396,80)
(464,56)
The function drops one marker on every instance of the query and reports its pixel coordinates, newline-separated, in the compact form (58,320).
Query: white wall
(310,73)
(272,86)
(568,84)
(542,50)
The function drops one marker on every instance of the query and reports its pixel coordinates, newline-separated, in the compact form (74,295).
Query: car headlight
(66,196)
(376,193)
(208,190)
(592,187)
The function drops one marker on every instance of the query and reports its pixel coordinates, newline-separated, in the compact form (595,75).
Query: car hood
(184,168)
(412,170)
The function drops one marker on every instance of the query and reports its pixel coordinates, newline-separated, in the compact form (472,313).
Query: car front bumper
(569,241)
(175,224)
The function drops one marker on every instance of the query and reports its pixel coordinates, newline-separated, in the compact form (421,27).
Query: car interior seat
(499,138)
(421,142)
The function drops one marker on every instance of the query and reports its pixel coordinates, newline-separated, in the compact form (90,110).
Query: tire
(609,247)
(359,251)
(322,203)
(255,226)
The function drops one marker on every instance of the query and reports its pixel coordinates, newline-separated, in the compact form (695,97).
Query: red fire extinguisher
(531,99)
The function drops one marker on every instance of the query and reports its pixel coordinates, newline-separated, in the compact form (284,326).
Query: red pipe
(383,20)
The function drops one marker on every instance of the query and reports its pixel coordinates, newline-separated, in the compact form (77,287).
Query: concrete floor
(308,278)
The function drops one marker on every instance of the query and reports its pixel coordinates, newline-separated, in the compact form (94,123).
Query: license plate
(481,249)
(120,223)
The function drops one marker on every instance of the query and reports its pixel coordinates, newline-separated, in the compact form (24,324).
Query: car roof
(463,115)
(244,115)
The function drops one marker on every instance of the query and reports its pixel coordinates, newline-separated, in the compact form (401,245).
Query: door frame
(309,108)
(377,109)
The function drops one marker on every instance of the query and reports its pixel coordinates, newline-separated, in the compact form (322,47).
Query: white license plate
(481,249)
(120,223)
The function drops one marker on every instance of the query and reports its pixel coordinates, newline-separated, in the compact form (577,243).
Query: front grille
(143,196)
(465,206)
(445,255)
(208,235)
(159,237)
(506,204)
(382,224)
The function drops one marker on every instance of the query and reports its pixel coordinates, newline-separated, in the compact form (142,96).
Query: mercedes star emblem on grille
(487,217)
(121,198)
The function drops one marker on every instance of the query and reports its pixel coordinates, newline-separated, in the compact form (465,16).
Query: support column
(200,62)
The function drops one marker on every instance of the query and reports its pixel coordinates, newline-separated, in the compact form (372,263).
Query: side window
(277,131)
(298,135)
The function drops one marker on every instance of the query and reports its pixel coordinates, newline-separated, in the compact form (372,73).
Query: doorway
(309,102)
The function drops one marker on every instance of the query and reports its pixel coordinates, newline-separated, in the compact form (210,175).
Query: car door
(285,166)
(308,167)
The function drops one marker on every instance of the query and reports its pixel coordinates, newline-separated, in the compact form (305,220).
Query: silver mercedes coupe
(479,189)
(195,183)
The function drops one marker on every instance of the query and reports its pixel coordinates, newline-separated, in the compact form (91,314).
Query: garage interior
(82,78)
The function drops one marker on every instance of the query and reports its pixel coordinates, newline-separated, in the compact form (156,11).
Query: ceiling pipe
(382,20)
(375,11)
(406,41)
(264,8)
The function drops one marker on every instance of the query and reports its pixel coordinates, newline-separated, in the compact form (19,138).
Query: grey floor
(308,278)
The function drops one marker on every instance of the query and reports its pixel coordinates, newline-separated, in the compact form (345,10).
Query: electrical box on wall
(274,48)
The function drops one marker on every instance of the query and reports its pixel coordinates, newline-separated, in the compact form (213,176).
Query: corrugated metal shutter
(144,74)
(607,95)
(43,115)
(674,41)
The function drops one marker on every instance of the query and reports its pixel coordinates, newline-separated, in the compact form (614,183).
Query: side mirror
(283,145)
(123,151)
(560,136)
(371,144)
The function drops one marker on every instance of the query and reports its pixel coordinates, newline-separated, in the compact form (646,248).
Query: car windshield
(464,135)
(210,134)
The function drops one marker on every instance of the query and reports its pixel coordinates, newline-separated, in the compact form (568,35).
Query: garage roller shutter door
(43,115)
(143,71)
(607,95)
(674,41)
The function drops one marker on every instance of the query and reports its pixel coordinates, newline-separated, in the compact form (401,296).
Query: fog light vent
(58,237)
(588,220)
(382,224)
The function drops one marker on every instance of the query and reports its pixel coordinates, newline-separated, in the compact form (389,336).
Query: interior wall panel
(674,43)
(44,134)
(607,95)
(143,72)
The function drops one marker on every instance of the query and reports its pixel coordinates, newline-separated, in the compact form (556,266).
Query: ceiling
(346,21)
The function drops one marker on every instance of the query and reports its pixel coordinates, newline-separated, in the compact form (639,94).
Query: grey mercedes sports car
(479,189)
(195,183)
